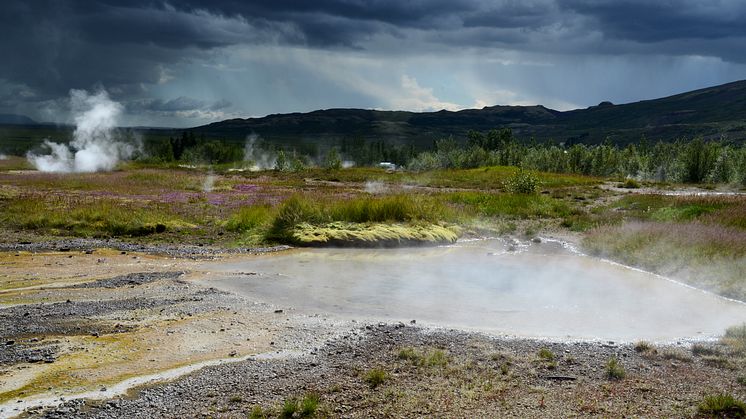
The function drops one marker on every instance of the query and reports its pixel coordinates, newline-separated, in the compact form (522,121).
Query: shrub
(722,406)
(614,369)
(375,377)
(523,182)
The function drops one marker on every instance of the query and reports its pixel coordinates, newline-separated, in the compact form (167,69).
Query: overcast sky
(186,63)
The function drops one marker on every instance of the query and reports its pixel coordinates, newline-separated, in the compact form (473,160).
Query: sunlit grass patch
(88,217)
(387,220)
(512,205)
(249,218)
(369,234)
(666,208)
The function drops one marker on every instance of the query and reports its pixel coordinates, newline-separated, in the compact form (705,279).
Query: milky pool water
(544,290)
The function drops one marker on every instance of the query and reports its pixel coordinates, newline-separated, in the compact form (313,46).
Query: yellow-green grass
(310,220)
(122,182)
(723,210)
(494,177)
(521,206)
(14,163)
(370,234)
(88,217)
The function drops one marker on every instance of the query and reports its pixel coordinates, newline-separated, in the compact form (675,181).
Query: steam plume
(262,159)
(94,146)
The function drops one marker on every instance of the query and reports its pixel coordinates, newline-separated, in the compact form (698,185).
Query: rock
(278,311)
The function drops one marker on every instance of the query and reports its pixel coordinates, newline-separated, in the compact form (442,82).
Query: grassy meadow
(699,239)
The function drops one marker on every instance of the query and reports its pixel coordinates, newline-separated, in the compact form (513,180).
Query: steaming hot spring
(540,290)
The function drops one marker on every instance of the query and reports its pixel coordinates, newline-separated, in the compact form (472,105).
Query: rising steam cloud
(95,146)
(261,159)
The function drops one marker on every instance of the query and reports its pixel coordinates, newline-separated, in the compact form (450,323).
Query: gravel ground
(133,279)
(175,250)
(440,373)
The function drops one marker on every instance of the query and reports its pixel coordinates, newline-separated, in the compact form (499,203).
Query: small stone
(278,311)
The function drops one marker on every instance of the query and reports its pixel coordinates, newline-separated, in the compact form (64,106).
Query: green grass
(665,208)
(436,358)
(289,408)
(409,354)
(309,405)
(546,355)
(375,377)
(362,220)
(249,218)
(494,177)
(258,413)
(614,369)
(88,217)
(721,406)
(521,206)
(369,234)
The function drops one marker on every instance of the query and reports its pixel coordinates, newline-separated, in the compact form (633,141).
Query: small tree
(333,160)
(281,163)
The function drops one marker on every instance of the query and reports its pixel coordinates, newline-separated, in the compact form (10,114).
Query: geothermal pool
(542,290)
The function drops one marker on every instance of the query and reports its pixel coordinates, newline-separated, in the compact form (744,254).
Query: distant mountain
(709,112)
(12,119)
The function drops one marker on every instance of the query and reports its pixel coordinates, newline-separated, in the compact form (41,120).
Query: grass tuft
(644,347)
(614,369)
(375,377)
(249,218)
(546,355)
(722,406)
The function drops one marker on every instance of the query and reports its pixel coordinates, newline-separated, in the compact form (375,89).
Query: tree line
(694,161)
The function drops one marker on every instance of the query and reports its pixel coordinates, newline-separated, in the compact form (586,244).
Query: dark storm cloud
(181,103)
(129,46)
(658,21)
